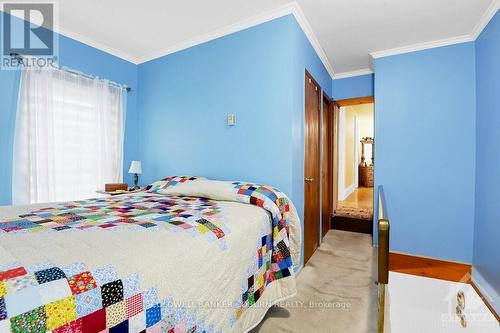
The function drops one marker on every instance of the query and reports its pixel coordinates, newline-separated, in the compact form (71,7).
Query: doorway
(312,165)
(327,163)
(354,208)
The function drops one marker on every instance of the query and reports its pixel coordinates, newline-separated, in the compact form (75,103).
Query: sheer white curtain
(69,136)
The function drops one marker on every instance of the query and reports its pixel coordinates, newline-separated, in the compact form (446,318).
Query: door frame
(317,225)
(327,180)
(336,139)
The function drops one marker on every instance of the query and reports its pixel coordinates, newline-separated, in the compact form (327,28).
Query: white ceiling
(344,32)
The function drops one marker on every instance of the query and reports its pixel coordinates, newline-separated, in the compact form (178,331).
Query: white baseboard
(346,192)
(491,295)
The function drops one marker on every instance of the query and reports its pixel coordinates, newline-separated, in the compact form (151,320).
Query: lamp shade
(135,167)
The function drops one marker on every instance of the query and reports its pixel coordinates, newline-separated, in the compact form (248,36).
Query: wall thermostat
(231,119)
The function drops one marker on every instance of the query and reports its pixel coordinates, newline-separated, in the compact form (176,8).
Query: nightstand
(117,192)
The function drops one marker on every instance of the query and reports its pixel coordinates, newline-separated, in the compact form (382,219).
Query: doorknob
(309,180)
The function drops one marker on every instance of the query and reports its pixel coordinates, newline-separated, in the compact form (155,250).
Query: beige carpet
(336,290)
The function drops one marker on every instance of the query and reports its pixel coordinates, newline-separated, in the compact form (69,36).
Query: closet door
(311,167)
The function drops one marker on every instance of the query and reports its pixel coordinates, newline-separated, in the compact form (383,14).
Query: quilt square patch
(3,291)
(137,323)
(54,290)
(104,275)
(19,283)
(5,326)
(60,312)
(150,297)
(153,315)
(82,282)
(122,327)
(115,314)
(38,267)
(30,322)
(157,329)
(88,302)
(131,285)
(49,274)
(74,326)
(134,305)
(112,293)
(74,268)
(3,309)
(22,301)
(94,322)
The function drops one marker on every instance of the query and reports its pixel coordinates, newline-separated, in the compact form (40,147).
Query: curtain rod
(20,58)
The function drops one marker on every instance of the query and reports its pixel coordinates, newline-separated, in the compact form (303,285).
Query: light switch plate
(231,119)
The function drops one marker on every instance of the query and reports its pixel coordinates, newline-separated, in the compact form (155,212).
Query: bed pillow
(171,181)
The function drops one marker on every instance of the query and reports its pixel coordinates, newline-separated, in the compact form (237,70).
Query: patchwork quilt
(187,254)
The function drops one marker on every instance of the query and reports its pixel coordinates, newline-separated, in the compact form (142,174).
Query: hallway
(358,204)
(337,291)
(362,197)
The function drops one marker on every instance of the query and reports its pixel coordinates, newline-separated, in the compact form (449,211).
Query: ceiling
(343,32)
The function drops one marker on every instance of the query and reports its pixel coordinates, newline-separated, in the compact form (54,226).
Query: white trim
(100,46)
(422,46)
(292,8)
(343,191)
(347,191)
(359,72)
(356,151)
(89,41)
(309,32)
(486,289)
(485,19)
(341,152)
(224,31)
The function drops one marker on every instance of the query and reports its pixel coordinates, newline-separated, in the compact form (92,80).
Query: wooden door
(311,167)
(326,163)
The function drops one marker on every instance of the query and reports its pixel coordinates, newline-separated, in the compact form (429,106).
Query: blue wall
(425,149)
(257,74)
(351,87)
(78,56)
(486,257)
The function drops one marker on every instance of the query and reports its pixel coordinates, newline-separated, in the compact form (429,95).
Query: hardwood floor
(362,197)
(432,268)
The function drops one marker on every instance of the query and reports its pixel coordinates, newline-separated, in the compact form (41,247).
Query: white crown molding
(90,42)
(227,30)
(359,72)
(291,8)
(308,31)
(294,9)
(422,46)
(97,45)
(485,19)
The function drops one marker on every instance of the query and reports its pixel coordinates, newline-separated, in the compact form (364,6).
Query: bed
(187,254)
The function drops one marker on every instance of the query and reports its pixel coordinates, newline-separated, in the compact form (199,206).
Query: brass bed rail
(383,257)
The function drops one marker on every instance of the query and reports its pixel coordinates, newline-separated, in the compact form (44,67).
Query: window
(69,136)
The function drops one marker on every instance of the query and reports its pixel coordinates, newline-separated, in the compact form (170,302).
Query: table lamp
(136,169)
